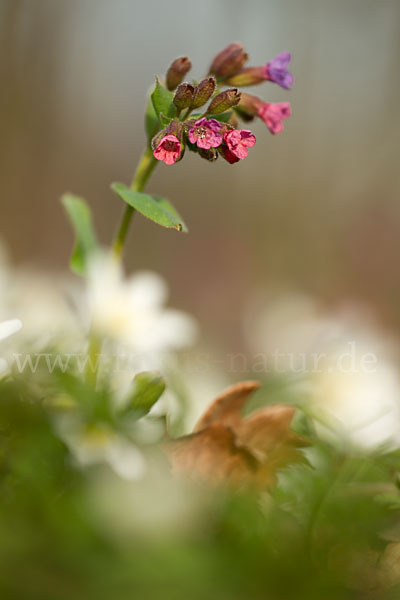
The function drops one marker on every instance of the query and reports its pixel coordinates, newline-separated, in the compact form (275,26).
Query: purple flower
(205,133)
(276,70)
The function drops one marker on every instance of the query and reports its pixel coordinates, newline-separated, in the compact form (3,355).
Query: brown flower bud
(187,125)
(184,96)
(234,121)
(203,92)
(224,101)
(229,61)
(211,154)
(224,128)
(157,138)
(175,128)
(249,106)
(177,72)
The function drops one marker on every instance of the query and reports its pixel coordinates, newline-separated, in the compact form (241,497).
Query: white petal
(175,330)
(147,289)
(126,460)
(10,327)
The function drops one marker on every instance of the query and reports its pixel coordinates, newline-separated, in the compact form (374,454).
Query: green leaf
(152,124)
(80,216)
(164,120)
(148,386)
(162,101)
(159,210)
(222,118)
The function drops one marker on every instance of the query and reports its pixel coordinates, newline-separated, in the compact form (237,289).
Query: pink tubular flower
(168,149)
(276,70)
(228,155)
(239,141)
(205,133)
(273,114)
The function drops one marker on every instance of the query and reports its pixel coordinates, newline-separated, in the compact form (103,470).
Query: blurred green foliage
(327,530)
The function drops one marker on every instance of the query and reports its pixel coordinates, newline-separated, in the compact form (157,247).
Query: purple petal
(281,60)
(281,77)
(214,125)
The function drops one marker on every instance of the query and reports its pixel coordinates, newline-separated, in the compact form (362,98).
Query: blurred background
(315,209)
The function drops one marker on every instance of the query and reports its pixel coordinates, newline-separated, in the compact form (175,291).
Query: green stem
(186,114)
(144,170)
(92,366)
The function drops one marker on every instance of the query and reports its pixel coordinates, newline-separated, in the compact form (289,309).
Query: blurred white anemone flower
(41,300)
(347,368)
(131,310)
(8,328)
(99,444)
(355,403)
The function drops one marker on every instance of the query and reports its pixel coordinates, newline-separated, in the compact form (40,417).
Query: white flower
(355,406)
(99,444)
(348,369)
(131,311)
(41,300)
(8,328)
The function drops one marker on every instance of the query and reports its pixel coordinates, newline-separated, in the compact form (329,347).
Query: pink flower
(239,141)
(168,149)
(205,133)
(273,114)
(228,155)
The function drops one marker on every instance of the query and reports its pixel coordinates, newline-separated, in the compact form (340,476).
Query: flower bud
(147,387)
(157,138)
(188,125)
(203,92)
(209,154)
(249,105)
(234,121)
(249,76)
(175,128)
(184,96)
(224,101)
(229,61)
(177,72)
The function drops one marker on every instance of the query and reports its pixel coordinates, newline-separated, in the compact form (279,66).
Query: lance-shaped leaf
(159,210)
(80,216)
(152,123)
(162,101)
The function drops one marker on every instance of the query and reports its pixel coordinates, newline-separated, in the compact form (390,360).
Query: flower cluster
(216,132)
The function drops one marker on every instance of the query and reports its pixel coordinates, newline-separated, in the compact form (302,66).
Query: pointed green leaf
(162,101)
(159,210)
(148,386)
(223,118)
(164,120)
(80,217)
(152,123)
